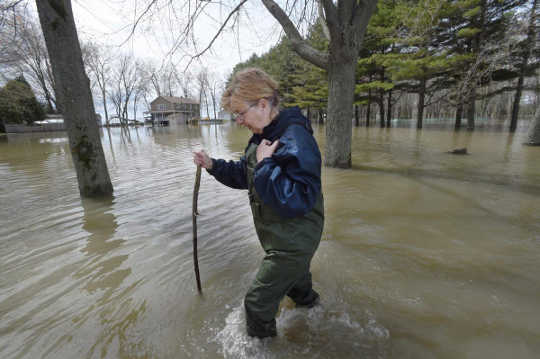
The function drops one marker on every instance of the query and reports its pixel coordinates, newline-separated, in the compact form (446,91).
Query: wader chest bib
(298,234)
(289,244)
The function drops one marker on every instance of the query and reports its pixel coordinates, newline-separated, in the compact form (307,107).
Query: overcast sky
(109,22)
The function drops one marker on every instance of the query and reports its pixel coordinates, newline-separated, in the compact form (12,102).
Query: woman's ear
(263,103)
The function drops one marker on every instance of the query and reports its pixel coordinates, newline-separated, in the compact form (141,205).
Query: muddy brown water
(424,254)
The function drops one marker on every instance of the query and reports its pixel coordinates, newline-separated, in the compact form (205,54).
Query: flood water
(424,254)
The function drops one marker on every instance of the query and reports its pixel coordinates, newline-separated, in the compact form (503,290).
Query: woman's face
(254,116)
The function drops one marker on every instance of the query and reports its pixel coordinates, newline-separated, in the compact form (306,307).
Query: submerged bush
(18,104)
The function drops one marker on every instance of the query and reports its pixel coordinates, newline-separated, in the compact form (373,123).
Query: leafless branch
(306,51)
(152,3)
(199,54)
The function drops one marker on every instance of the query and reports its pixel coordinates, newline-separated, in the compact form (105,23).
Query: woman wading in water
(281,170)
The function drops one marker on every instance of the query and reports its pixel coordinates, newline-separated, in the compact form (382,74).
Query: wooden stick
(194,216)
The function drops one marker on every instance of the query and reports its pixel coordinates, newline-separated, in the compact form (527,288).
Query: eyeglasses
(237,115)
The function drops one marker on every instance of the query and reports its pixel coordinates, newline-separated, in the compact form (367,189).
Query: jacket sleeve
(290,180)
(230,173)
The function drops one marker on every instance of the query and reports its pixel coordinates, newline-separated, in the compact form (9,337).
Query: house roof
(173,99)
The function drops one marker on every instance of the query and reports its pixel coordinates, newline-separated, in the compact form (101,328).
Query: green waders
(289,244)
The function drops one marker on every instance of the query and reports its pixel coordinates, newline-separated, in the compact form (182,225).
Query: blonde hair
(250,85)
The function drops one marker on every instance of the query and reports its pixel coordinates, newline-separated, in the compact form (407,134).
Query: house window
(161,106)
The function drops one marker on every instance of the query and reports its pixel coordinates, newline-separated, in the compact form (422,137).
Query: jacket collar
(276,128)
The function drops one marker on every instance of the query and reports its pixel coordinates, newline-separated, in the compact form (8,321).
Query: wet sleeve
(230,173)
(290,180)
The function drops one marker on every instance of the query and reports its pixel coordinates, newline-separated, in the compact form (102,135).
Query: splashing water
(314,333)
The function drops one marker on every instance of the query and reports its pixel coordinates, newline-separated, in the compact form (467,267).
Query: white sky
(109,22)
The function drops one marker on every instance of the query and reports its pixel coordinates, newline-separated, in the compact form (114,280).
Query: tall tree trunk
(471,110)
(125,114)
(381,100)
(368,114)
(207,106)
(104,96)
(356,116)
(523,66)
(517,100)
(341,80)
(459,115)
(421,102)
(533,138)
(368,109)
(214,104)
(134,109)
(73,91)
(389,109)
(347,21)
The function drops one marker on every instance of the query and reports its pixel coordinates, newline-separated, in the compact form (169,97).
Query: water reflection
(423,251)
(105,277)
(30,152)
(100,222)
(103,271)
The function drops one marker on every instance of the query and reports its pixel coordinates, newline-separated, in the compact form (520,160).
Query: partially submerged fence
(46,127)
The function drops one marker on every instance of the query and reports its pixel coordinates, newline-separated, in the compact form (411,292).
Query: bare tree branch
(331,17)
(361,15)
(322,15)
(301,46)
(138,20)
(237,8)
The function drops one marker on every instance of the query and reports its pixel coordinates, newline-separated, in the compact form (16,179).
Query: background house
(174,110)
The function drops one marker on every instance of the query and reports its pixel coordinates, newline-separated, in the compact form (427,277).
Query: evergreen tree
(373,80)
(18,103)
(526,49)
(476,28)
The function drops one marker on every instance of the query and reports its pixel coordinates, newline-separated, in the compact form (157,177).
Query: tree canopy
(18,104)
(444,52)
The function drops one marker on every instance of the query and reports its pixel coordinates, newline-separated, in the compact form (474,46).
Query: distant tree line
(459,59)
(119,81)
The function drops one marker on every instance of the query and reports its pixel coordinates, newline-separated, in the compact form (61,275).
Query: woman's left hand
(266,149)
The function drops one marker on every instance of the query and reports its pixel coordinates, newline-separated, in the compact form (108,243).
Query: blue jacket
(290,180)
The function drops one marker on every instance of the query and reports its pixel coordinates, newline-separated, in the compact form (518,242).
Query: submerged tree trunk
(73,91)
(533,138)
(459,115)
(522,67)
(381,100)
(368,109)
(515,103)
(381,110)
(104,98)
(134,109)
(341,82)
(471,110)
(389,109)
(347,21)
(421,101)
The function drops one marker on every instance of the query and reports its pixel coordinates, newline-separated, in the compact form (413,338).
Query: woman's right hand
(202,159)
